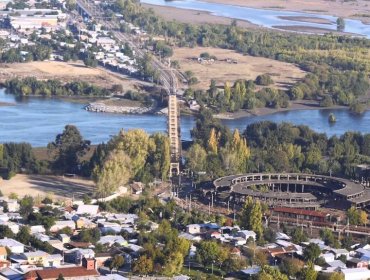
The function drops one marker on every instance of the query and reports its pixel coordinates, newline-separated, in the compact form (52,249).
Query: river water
(38,120)
(264,17)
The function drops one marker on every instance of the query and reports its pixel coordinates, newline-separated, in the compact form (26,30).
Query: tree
(299,235)
(159,155)
(6,232)
(26,206)
(196,158)
(227,93)
(143,265)
(251,216)
(264,80)
(353,216)
(208,252)
(174,264)
(116,172)
(291,266)
(336,276)
(135,143)
(60,277)
(89,235)
(312,252)
(329,239)
(213,142)
(68,148)
(341,24)
(363,217)
(24,235)
(271,273)
(309,273)
(117,262)
(256,219)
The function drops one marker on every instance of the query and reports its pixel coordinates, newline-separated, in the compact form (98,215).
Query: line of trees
(131,155)
(15,158)
(274,147)
(32,86)
(38,52)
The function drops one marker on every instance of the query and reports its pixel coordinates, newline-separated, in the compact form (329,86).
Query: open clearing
(67,72)
(247,67)
(59,187)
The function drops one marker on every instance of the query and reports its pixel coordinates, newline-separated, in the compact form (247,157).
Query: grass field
(247,67)
(59,187)
(66,72)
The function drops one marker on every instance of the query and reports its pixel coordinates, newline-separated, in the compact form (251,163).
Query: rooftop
(66,272)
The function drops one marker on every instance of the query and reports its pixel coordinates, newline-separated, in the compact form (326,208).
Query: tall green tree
(68,148)
(196,158)
(117,262)
(115,172)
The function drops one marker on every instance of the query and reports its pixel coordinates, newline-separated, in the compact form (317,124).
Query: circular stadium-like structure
(294,189)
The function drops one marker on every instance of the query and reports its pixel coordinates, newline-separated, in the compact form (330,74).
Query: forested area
(269,147)
(131,155)
(38,52)
(16,157)
(338,65)
(32,86)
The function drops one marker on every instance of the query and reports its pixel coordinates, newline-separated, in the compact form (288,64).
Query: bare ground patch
(59,187)
(67,72)
(231,66)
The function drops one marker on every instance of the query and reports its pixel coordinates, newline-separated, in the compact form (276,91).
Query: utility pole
(212,199)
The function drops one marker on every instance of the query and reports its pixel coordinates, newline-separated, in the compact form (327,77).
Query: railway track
(168,77)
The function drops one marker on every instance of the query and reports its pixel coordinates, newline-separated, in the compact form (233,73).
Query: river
(38,120)
(264,17)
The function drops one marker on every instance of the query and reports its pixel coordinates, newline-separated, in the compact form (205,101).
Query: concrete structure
(294,189)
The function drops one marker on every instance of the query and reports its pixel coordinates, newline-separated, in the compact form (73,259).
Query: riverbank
(258,112)
(120,106)
(194,16)
(346,9)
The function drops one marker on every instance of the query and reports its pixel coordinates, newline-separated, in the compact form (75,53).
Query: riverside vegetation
(217,151)
(338,66)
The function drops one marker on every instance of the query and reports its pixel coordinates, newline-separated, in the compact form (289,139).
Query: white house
(239,241)
(14,246)
(193,228)
(340,252)
(356,273)
(62,224)
(53,260)
(246,234)
(91,210)
(112,239)
(110,227)
(37,229)
(328,257)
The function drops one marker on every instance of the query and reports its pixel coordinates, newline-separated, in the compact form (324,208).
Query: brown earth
(67,72)
(59,187)
(246,67)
